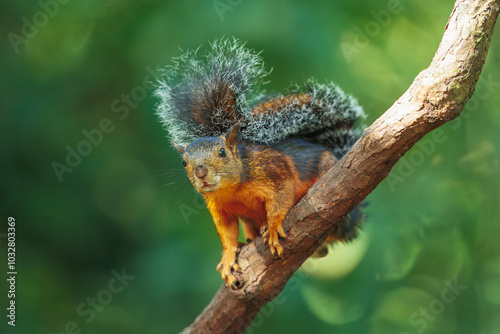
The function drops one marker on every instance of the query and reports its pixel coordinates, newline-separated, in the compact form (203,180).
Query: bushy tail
(320,113)
(204,95)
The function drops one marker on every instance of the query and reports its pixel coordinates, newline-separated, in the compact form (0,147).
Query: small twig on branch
(437,96)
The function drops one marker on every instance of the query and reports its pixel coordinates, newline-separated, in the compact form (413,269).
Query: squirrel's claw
(263,230)
(226,267)
(271,237)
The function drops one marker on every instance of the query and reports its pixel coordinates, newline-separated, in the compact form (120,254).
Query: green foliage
(76,92)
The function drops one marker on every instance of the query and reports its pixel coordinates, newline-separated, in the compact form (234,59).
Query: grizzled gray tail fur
(204,94)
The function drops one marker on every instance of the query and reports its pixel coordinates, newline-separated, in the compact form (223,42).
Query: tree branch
(437,95)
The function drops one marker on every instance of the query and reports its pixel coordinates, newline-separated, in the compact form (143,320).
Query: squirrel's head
(213,162)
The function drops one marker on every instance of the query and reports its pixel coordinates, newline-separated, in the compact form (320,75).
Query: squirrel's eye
(184,163)
(222,153)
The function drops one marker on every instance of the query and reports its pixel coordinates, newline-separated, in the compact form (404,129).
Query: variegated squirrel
(251,155)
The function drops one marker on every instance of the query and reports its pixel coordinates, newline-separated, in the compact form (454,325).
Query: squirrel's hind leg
(347,229)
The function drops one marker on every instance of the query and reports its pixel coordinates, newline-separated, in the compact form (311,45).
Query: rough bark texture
(437,96)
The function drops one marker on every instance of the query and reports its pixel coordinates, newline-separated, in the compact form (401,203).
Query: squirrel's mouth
(205,186)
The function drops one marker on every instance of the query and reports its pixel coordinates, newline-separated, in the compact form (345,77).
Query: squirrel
(253,156)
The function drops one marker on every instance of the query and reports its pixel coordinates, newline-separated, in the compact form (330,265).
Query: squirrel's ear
(179,148)
(232,135)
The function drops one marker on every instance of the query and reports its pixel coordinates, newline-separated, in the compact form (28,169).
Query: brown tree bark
(437,95)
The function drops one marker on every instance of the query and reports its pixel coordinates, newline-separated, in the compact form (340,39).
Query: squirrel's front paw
(271,237)
(226,267)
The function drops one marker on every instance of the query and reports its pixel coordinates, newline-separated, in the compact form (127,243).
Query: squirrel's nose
(201,171)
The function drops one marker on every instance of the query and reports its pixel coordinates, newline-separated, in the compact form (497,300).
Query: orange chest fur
(249,200)
(239,202)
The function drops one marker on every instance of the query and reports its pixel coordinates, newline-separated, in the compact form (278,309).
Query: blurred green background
(428,260)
